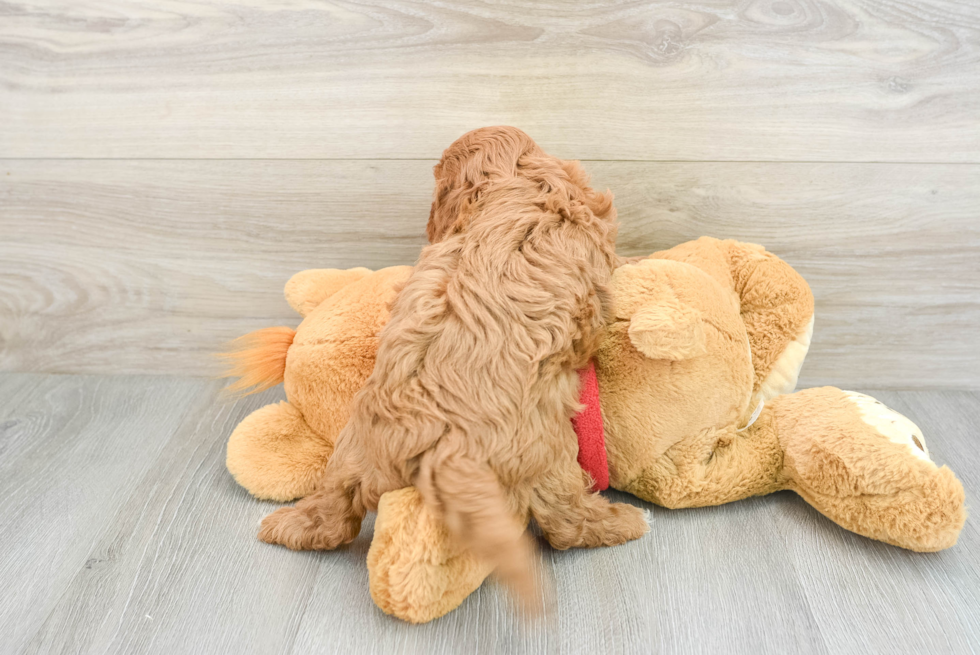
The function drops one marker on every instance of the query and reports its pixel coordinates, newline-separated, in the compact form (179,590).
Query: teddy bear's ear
(307,289)
(668,331)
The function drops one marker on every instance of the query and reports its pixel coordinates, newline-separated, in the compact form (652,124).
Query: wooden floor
(124,533)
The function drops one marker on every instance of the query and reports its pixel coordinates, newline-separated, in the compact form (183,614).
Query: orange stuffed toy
(690,405)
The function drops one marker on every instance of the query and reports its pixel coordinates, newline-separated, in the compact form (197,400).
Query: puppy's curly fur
(474,384)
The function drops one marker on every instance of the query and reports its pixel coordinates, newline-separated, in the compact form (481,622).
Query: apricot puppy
(475,380)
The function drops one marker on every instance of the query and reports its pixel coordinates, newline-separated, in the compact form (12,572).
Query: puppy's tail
(258,359)
(471,501)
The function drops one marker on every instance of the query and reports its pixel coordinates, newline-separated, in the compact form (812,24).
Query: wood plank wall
(165,166)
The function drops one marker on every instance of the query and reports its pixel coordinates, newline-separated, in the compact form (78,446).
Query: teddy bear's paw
(417,570)
(297,529)
(890,424)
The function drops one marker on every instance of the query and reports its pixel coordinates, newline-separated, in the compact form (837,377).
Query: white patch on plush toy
(786,370)
(754,417)
(890,424)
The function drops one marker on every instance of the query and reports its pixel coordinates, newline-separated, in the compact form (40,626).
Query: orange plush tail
(258,359)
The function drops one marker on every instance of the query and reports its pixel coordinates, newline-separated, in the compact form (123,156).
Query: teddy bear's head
(676,362)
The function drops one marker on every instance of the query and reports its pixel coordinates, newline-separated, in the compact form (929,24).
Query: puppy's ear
(600,204)
(439,222)
(576,174)
(467,168)
(450,203)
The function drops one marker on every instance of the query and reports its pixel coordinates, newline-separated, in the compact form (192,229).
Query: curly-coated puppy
(475,380)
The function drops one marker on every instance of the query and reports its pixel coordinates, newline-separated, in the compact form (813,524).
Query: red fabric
(588,427)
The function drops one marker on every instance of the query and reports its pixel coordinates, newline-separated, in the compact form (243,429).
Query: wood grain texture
(163,556)
(806,80)
(133,267)
(870,598)
(179,569)
(71,451)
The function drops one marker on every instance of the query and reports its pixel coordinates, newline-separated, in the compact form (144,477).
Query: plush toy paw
(866,466)
(275,455)
(890,424)
(417,570)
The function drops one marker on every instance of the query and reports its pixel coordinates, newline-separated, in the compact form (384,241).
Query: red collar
(588,427)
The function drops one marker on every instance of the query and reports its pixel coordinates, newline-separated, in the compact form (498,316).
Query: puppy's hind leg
(571,516)
(328,518)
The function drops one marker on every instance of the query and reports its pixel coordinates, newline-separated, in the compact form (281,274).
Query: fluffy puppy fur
(474,384)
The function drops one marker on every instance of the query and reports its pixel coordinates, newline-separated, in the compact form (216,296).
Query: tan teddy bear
(694,380)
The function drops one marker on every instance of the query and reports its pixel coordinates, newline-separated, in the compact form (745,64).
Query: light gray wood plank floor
(122,532)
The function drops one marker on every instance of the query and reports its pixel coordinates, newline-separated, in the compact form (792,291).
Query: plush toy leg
(866,467)
(417,571)
(275,455)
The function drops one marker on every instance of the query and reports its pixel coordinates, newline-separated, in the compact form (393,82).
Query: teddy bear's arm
(717,466)
(307,289)
(777,308)
(276,455)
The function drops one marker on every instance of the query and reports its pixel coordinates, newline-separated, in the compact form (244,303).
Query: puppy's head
(478,159)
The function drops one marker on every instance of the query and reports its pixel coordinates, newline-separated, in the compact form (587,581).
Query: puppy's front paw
(625,523)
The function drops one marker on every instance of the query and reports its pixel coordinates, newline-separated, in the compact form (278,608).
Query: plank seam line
(434,159)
